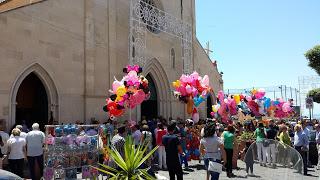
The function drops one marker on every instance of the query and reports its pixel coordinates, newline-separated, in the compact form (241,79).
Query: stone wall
(80,46)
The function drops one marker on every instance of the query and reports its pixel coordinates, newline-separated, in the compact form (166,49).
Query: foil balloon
(190,106)
(131,91)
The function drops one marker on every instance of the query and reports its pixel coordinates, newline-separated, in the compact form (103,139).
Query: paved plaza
(197,172)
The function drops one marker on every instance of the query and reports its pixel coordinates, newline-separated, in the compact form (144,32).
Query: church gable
(7,5)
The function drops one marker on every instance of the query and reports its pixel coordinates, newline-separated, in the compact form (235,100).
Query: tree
(313,55)
(315,94)
(130,167)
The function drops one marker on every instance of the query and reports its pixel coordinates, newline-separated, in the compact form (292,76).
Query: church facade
(59,58)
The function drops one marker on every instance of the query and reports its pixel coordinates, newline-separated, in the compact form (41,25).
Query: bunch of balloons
(192,90)
(254,104)
(131,91)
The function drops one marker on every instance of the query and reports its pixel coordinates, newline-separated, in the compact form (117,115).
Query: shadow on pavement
(198,167)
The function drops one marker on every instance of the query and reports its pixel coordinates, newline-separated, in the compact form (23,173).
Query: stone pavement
(197,172)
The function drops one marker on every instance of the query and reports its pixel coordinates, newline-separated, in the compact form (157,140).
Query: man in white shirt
(3,142)
(136,135)
(306,131)
(35,140)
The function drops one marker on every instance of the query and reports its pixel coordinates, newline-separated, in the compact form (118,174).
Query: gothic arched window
(133,48)
(173,58)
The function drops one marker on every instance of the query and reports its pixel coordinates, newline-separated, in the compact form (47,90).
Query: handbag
(215,167)
(265,143)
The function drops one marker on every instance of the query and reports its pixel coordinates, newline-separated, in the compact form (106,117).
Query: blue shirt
(301,139)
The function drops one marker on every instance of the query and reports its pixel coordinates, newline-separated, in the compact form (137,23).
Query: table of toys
(71,149)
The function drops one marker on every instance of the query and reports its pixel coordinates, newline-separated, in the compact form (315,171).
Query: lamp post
(280,87)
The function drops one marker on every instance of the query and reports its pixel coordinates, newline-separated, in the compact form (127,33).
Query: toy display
(68,148)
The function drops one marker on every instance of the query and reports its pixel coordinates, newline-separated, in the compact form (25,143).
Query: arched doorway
(149,108)
(46,81)
(32,102)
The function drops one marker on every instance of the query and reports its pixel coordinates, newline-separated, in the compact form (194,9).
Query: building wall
(82,45)
(51,34)
(204,66)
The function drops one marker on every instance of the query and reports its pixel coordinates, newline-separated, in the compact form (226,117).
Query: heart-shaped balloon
(136,99)
(113,110)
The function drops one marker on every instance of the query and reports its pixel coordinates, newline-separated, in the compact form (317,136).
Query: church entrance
(32,102)
(149,108)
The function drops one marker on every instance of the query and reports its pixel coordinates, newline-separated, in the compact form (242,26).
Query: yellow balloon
(119,98)
(121,91)
(254,91)
(215,108)
(176,83)
(236,97)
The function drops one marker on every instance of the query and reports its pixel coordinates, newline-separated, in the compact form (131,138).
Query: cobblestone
(197,172)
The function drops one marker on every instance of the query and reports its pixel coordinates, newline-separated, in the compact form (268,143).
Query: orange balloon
(190,106)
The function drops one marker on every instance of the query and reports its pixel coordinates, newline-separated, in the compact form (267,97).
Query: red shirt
(159,135)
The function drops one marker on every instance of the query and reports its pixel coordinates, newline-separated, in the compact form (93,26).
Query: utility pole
(296,96)
(281,91)
(285,92)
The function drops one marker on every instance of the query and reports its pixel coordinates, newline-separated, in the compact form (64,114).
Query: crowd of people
(22,147)
(179,141)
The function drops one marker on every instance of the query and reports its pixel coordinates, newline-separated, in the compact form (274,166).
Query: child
(248,159)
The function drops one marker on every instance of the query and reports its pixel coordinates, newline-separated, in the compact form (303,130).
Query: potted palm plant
(129,166)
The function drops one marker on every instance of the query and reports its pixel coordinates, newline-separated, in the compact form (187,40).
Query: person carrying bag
(212,148)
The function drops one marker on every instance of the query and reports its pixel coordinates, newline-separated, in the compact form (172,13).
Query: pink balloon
(183,78)
(260,93)
(115,85)
(220,96)
(182,90)
(133,74)
(188,89)
(189,79)
(248,98)
(204,93)
(205,80)
(132,78)
(286,107)
(137,99)
(232,107)
(195,117)
(194,75)
(194,92)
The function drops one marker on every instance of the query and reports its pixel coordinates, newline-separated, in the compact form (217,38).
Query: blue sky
(259,43)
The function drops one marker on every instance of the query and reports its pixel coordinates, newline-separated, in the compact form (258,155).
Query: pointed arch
(159,76)
(48,83)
